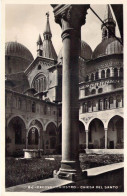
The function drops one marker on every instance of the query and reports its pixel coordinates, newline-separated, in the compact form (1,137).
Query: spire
(108,15)
(39,46)
(109,22)
(39,41)
(48,48)
(47,33)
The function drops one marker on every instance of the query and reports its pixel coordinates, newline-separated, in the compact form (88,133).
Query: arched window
(85,108)
(40,83)
(115,72)
(92,77)
(93,91)
(121,72)
(96,76)
(108,73)
(87,78)
(100,104)
(87,91)
(33,136)
(111,102)
(103,74)
(89,106)
(33,107)
(105,103)
(118,101)
(19,104)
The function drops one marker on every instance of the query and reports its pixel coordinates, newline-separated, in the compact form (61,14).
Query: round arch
(93,119)
(34,119)
(19,116)
(45,127)
(96,134)
(115,132)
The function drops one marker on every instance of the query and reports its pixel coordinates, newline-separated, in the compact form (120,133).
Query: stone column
(106,138)
(119,72)
(71,18)
(26,139)
(99,74)
(112,72)
(87,139)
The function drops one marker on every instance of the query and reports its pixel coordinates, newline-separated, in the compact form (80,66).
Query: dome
(16,49)
(107,47)
(86,52)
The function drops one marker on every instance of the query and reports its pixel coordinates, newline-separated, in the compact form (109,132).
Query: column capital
(74,15)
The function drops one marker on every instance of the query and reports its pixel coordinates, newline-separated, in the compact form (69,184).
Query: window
(40,83)
(100,90)
(33,107)
(33,136)
(105,103)
(115,72)
(100,105)
(108,73)
(96,76)
(85,108)
(87,91)
(39,67)
(103,74)
(92,76)
(87,78)
(93,91)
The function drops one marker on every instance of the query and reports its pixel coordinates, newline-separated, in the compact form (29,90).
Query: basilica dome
(86,52)
(18,57)
(108,47)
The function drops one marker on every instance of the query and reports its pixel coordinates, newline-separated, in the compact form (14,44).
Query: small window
(39,67)
(93,91)
(33,107)
(100,90)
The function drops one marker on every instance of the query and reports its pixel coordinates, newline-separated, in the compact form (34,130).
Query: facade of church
(33,94)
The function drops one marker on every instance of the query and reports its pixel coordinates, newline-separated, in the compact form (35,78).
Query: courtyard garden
(20,171)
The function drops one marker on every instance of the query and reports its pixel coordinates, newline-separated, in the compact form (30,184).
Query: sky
(24,23)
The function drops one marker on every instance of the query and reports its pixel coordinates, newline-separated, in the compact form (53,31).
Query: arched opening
(87,78)
(111,104)
(108,73)
(84,108)
(115,72)
(100,90)
(100,104)
(103,74)
(33,107)
(39,83)
(115,133)
(96,76)
(92,77)
(36,134)
(87,92)
(118,101)
(82,137)
(96,134)
(16,137)
(33,138)
(93,91)
(105,104)
(51,138)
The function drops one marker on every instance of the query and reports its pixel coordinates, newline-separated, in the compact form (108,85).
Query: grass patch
(28,170)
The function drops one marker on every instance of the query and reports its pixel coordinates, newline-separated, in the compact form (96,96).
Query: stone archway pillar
(70,18)
(87,139)
(106,138)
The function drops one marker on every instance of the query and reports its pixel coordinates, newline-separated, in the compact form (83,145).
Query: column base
(70,170)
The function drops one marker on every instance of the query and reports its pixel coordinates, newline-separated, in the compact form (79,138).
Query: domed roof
(107,47)
(18,50)
(86,52)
